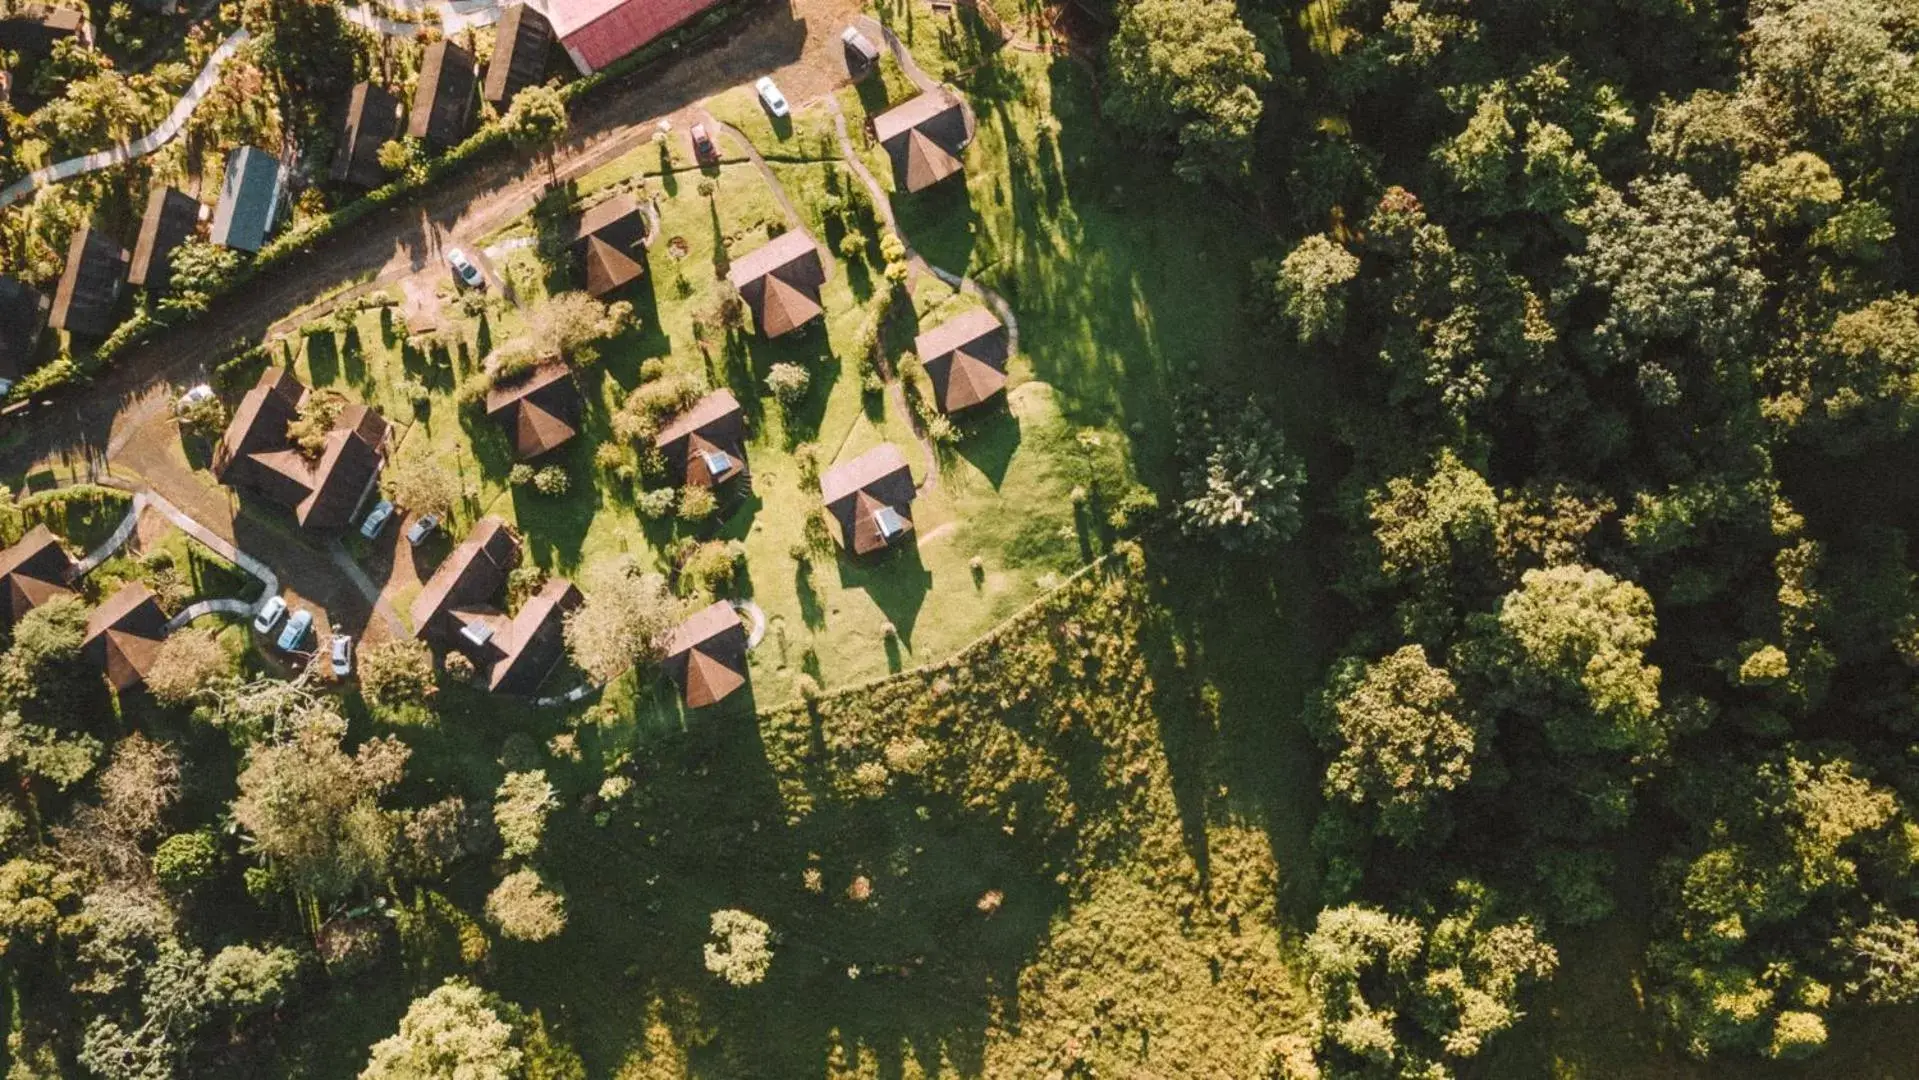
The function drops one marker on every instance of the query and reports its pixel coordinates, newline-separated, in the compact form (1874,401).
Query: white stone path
(140,147)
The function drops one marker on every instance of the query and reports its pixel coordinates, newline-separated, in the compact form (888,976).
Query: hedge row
(491,139)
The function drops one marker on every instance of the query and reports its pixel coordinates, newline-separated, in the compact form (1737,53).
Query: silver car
(376,519)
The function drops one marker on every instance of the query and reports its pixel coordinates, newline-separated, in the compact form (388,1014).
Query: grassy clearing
(1034,769)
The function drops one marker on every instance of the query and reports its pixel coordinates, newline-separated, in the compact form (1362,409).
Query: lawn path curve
(116,541)
(883,203)
(140,147)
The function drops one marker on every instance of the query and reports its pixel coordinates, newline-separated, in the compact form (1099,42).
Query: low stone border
(755,620)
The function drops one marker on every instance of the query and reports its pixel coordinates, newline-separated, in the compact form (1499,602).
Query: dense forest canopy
(1616,298)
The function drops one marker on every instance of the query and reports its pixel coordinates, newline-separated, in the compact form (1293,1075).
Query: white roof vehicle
(270,613)
(771,97)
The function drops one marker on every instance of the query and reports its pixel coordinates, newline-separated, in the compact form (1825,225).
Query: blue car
(296,630)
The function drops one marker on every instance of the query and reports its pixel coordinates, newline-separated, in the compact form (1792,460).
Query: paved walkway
(116,541)
(140,147)
(755,618)
(793,219)
(204,608)
(344,560)
(220,545)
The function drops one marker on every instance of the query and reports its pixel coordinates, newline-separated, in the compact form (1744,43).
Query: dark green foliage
(186,859)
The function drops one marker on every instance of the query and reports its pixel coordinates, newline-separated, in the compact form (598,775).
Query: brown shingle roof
(471,576)
(32,29)
(540,412)
(533,641)
(256,453)
(124,635)
(521,40)
(781,282)
(859,494)
(88,297)
(609,242)
(443,98)
(707,654)
(924,138)
(372,120)
(33,571)
(717,421)
(172,217)
(927,162)
(344,472)
(965,357)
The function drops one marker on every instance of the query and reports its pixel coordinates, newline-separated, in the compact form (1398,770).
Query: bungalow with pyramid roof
(780,281)
(924,139)
(457,610)
(705,446)
(870,499)
(609,245)
(539,410)
(255,453)
(965,358)
(124,635)
(34,571)
(706,657)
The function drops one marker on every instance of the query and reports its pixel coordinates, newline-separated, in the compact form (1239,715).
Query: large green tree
(1189,73)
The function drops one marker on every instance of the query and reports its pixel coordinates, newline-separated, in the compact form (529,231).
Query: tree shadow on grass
(1234,662)
(555,526)
(812,610)
(353,359)
(323,358)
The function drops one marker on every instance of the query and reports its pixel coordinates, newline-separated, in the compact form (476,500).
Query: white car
(270,613)
(771,97)
(422,529)
(376,519)
(195,396)
(464,269)
(342,656)
(295,631)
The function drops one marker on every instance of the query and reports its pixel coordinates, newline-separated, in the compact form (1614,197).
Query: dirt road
(795,40)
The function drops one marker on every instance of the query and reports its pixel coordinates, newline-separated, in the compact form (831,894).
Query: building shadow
(991,439)
(896,581)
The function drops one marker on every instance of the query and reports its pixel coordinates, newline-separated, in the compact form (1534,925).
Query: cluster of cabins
(123,635)
(100,271)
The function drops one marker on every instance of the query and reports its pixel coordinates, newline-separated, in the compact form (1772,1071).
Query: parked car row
(294,634)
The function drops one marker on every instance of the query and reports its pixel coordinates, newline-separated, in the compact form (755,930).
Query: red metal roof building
(597,32)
